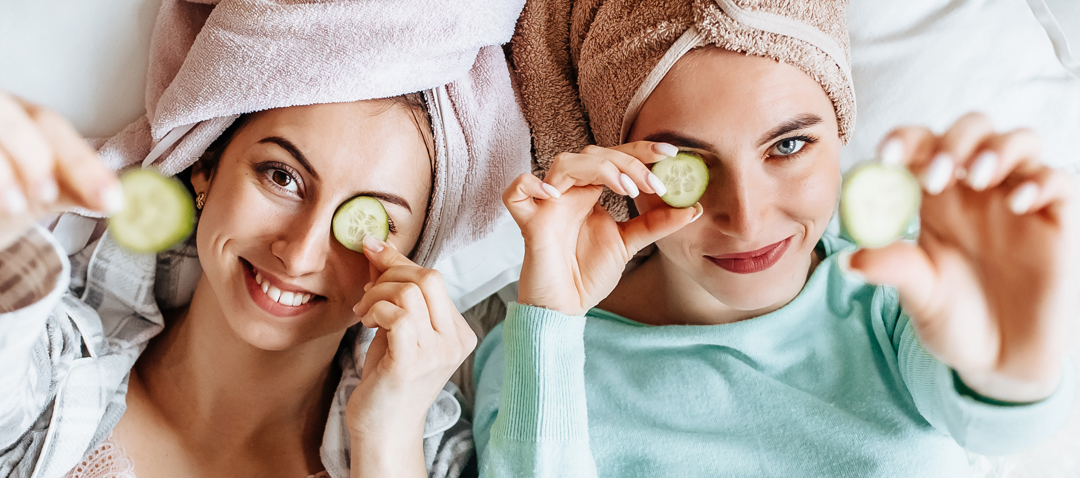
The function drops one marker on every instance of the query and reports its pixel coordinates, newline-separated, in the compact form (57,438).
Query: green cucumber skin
(699,170)
(171,194)
(340,222)
(906,226)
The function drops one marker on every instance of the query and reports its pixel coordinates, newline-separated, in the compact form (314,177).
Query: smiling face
(270,201)
(768,133)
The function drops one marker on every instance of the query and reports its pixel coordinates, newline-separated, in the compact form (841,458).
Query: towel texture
(216,59)
(585,67)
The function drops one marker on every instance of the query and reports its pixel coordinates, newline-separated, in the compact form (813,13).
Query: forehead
(352,146)
(711,88)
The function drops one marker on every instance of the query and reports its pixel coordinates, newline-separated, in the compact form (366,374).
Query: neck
(658,292)
(220,391)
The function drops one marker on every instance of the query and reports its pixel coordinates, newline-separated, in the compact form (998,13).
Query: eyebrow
(294,151)
(802,121)
(387,197)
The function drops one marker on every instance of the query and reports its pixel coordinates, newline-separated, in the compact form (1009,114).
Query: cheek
(813,194)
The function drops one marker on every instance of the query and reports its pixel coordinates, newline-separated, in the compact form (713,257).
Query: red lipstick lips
(753,261)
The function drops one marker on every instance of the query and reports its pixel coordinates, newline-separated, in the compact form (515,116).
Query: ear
(201,176)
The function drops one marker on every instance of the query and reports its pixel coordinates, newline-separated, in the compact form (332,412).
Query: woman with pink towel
(260,346)
(746,339)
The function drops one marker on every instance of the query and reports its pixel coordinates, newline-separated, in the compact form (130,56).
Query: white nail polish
(113,198)
(700,210)
(666,149)
(14,201)
(372,244)
(48,191)
(551,190)
(937,176)
(1023,198)
(657,185)
(892,153)
(843,260)
(982,170)
(629,186)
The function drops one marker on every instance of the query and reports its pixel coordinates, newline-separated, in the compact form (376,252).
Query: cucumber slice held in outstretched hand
(358,217)
(878,203)
(685,177)
(158,212)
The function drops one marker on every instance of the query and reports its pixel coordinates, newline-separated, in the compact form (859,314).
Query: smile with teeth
(292,299)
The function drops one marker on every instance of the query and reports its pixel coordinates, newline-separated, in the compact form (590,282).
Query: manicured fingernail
(937,176)
(113,198)
(372,244)
(982,170)
(367,287)
(892,152)
(843,260)
(666,149)
(629,186)
(48,191)
(657,184)
(550,190)
(700,210)
(14,201)
(1023,197)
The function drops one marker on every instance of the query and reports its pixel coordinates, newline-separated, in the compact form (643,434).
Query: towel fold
(585,67)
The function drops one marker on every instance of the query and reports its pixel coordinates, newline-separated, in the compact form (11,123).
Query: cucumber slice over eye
(158,212)
(878,203)
(686,178)
(358,217)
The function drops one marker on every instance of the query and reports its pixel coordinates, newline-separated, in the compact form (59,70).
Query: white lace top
(108,460)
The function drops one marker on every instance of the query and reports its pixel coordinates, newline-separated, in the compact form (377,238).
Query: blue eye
(787,147)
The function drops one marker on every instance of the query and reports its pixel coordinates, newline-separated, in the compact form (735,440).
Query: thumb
(902,265)
(383,256)
(656,224)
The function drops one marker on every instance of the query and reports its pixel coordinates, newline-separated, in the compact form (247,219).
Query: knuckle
(592,149)
(430,278)
(560,158)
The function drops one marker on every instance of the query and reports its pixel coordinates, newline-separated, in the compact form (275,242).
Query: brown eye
(283,179)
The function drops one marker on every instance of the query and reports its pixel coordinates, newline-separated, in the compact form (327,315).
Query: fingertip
(1023,197)
(892,152)
(698,211)
(112,198)
(628,185)
(665,149)
(843,261)
(550,190)
(372,245)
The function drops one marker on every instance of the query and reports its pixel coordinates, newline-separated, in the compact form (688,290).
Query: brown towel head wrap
(585,67)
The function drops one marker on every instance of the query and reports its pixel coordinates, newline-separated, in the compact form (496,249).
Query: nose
(304,243)
(740,200)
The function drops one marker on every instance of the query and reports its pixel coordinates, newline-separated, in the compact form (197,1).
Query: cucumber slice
(358,217)
(878,204)
(158,212)
(686,178)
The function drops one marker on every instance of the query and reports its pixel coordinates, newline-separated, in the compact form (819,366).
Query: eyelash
(807,139)
(267,169)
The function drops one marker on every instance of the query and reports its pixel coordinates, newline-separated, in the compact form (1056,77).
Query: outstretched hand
(991,285)
(46,167)
(575,252)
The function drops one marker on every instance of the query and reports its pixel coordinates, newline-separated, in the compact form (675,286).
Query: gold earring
(200,201)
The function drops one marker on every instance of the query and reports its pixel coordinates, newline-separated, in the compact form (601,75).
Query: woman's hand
(421,341)
(575,252)
(991,286)
(45,167)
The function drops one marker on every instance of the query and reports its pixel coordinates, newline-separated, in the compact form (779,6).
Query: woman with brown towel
(749,340)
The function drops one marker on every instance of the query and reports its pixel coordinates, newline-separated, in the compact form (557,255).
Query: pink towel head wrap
(585,67)
(214,60)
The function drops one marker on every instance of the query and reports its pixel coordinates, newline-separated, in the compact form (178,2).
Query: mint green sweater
(833,384)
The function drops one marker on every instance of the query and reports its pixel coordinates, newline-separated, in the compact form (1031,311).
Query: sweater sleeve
(33,280)
(978,426)
(531,417)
